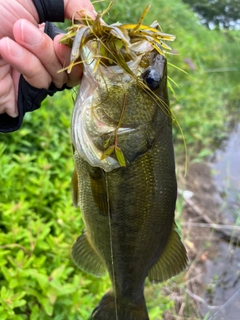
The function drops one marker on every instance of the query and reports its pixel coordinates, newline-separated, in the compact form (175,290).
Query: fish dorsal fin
(172,261)
(75,195)
(86,258)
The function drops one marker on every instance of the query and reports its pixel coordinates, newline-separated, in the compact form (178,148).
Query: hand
(11,11)
(28,51)
(34,55)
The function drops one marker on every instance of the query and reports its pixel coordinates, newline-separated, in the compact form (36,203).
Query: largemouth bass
(124,180)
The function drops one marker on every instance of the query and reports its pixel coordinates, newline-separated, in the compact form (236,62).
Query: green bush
(38,223)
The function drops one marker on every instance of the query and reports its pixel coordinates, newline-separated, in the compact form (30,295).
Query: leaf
(19,303)
(7,272)
(67,289)
(172,65)
(120,157)
(173,82)
(107,152)
(171,88)
(3,314)
(58,272)
(4,292)
(35,312)
(106,143)
(47,306)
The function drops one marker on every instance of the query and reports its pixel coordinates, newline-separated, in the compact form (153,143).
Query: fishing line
(111,247)
(225,304)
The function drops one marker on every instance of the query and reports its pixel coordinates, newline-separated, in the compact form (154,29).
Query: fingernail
(42,26)
(14,114)
(14,49)
(30,34)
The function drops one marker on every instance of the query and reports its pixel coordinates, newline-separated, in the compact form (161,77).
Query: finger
(63,53)
(11,11)
(41,45)
(25,63)
(83,7)
(7,94)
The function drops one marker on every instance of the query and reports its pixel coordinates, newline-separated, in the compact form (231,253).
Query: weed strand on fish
(111,245)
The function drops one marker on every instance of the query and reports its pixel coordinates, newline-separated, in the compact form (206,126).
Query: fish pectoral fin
(172,261)
(86,258)
(75,195)
(98,187)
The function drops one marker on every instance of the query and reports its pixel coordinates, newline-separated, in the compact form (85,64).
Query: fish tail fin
(111,308)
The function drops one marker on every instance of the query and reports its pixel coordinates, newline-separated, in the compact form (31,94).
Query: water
(222,277)
(226,174)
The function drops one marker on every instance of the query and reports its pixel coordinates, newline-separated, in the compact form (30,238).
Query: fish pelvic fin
(172,261)
(111,308)
(86,258)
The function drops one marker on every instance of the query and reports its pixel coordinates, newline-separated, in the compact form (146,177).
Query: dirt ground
(201,208)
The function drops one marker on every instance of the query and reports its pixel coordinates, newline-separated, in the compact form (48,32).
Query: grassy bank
(38,223)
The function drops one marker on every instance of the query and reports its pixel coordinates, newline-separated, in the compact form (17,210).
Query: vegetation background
(38,223)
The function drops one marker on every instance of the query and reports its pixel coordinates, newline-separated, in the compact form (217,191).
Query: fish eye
(152,78)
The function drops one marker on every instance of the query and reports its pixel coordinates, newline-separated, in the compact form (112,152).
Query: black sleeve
(29,98)
(50,10)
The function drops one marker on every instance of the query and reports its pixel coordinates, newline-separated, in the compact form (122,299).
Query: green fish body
(128,211)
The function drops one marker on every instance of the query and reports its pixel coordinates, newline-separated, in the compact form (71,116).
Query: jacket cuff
(50,10)
(29,99)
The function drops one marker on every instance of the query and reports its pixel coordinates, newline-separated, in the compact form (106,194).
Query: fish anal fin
(75,194)
(109,306)
(86,258)
(172,261)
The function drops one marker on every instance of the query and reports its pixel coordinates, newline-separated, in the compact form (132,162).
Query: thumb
(82,7)
(63,53)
